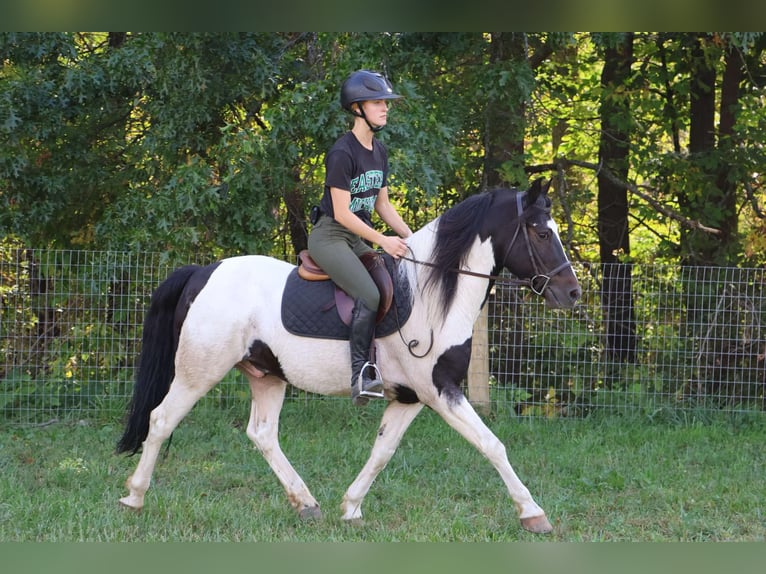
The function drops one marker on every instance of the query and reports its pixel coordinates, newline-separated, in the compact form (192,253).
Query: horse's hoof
(354,522)
(537,524)
(129,505)
(310,513)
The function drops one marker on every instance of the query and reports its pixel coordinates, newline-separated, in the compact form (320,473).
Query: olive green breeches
(337,251)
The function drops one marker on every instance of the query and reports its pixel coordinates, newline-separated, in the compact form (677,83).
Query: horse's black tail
(156,366)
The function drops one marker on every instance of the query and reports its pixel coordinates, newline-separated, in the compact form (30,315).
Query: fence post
(478,369)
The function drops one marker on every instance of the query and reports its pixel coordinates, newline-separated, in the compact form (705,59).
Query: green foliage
(198,141)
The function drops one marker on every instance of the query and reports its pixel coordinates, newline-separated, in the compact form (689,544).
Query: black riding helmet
(364,85)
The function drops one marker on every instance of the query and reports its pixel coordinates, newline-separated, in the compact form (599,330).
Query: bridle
(538,283)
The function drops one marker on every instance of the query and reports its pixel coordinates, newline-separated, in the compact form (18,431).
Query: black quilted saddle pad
(308,307)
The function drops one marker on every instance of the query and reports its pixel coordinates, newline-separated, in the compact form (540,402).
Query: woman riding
(356,184)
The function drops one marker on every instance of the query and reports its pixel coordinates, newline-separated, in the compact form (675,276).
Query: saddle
(376,267)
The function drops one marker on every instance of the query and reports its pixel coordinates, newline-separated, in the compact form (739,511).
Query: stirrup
(374,388)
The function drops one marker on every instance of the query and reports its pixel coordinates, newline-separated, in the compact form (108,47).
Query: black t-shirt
(351,166)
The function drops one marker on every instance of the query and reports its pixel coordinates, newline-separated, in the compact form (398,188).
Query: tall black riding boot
(365,377)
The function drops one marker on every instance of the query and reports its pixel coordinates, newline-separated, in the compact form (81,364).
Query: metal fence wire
(644,337)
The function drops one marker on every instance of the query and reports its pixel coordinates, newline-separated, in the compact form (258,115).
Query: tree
(613,233)
(508,87)
(61,117)
(706,193)
(214,142)
(708,177)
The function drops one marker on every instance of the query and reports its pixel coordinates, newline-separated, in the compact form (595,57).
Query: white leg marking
(263,429)
(464,420)
(396,418)
(163,421)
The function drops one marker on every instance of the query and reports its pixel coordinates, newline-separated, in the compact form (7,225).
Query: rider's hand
(394,245)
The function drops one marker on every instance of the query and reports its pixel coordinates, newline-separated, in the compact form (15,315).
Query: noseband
(538,283)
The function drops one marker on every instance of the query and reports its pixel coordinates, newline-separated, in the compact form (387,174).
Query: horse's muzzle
(561,291)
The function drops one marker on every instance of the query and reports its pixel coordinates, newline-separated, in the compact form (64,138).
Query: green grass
(670,477)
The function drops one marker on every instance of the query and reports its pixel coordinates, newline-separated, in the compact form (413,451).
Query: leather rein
(538,283)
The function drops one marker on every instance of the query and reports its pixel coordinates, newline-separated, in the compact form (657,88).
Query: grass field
(665,477)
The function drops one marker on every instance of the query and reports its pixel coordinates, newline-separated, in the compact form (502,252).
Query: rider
(356,183)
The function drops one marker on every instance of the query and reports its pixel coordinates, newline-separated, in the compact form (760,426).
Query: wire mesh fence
(643,337)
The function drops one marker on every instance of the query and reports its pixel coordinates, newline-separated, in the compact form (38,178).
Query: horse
(204,321)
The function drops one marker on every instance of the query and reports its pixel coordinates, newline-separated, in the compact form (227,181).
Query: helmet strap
(375,129)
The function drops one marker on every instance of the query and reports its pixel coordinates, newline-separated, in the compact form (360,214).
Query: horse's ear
(539,187)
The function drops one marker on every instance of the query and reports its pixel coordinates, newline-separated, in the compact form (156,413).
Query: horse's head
(531,248)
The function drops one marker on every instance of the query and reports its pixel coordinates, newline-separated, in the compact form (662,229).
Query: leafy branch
(564,163)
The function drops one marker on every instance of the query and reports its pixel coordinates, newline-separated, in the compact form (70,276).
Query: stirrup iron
(372,394)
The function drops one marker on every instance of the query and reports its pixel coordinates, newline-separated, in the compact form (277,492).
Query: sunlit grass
(605,478)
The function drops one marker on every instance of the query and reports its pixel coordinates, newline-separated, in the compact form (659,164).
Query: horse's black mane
(456,232)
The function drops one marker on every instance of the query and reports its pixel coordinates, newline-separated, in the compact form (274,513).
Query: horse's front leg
(268,394)
(464,419)
(396,418)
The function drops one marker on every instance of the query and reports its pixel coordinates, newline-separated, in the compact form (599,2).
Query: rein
(537,283)
(498,278)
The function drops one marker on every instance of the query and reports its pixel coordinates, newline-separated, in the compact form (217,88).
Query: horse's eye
(543,233)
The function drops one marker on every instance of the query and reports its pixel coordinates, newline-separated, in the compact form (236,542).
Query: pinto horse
(204,321)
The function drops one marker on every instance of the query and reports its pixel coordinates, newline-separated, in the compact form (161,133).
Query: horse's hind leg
(163,421)
(464,419)
(396,418)
(263,429)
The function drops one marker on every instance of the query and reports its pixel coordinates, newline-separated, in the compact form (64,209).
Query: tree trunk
(296,215)
(710,198)
(732,76)
(504,128)
(614,244)
(117,39)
